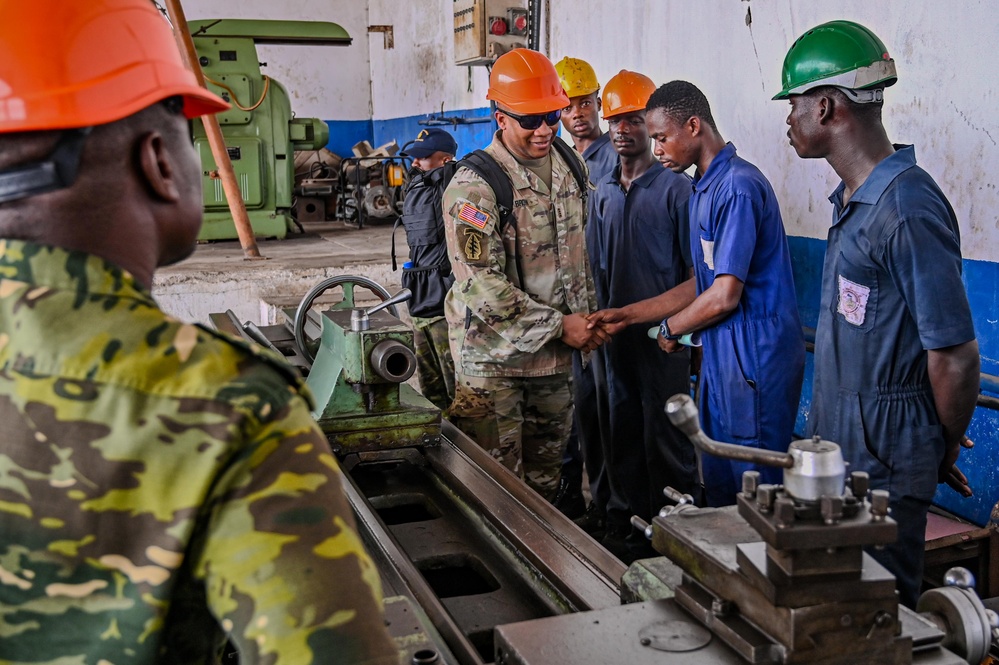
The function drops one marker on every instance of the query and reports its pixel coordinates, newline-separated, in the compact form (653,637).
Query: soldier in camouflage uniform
(162,488)
(522,290)
(428,272)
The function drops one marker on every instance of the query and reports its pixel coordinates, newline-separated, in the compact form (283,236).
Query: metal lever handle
(402,296)
(683,414)
(643,526)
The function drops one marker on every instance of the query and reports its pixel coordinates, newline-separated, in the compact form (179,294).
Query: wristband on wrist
(665,331)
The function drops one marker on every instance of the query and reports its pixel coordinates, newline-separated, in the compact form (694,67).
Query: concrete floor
(217,277)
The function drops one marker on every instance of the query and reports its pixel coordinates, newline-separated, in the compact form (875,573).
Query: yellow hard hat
(577,77)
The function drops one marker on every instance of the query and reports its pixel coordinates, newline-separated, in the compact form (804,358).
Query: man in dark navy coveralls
(896,360)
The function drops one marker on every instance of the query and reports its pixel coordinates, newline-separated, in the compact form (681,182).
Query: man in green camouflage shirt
(162,488)
(522,290)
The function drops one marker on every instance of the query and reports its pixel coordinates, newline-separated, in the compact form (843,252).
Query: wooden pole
(215,139)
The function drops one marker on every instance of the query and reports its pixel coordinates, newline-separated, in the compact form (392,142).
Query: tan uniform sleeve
(482,268)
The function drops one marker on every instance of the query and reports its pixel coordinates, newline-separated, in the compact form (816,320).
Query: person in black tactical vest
(428,272)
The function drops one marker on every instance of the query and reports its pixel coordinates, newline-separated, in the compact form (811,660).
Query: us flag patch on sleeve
(473,216)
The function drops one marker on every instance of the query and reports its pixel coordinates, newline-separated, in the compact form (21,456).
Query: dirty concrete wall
(330,82)
(414,77)
(944,101)
(422,77)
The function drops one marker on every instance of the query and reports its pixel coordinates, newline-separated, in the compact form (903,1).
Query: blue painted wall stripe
(345,133)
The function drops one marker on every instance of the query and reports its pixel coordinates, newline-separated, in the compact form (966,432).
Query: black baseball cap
(429,141)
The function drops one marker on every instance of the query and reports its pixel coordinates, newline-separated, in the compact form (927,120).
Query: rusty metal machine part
(474,552)
(957,611)
(393,361)
(783,576)
(349,284)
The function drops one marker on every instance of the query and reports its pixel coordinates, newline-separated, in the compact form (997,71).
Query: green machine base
(265,224)
(358,380)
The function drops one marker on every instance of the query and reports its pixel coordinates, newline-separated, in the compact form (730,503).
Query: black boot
(593,521)
(569,498)
(614,541)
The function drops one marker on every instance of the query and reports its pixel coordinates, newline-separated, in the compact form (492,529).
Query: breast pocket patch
(852,302)
(708,248)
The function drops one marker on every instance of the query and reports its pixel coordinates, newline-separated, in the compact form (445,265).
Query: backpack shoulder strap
(573,161)
(398,221)
(487,168)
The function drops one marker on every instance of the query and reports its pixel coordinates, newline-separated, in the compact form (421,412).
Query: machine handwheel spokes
(348,283)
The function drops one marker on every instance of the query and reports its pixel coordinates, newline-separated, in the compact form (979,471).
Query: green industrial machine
(261,134)
(361,359)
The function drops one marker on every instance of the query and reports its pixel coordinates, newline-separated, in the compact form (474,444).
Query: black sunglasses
(532,122)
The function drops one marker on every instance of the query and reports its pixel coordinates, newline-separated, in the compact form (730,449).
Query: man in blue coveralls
(638,241)
(896,360)
(742,298)
(581,119)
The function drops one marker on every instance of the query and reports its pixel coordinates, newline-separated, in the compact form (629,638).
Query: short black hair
(681,100)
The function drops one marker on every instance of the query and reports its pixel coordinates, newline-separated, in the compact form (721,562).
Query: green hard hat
(839,53)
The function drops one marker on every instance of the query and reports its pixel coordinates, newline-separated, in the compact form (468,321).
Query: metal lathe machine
(477,568)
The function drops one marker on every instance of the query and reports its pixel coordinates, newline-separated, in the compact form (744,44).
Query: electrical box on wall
(486,29)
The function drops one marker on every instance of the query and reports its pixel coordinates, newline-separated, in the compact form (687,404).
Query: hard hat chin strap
(58,171)
(875,96)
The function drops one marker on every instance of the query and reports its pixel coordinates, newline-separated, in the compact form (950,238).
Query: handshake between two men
(587,332)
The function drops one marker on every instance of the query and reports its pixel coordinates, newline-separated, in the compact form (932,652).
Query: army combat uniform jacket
(513,284)
(162,488)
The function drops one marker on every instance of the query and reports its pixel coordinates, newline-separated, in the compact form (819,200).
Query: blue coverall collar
(717,165)
(644,180)
(903,159)
(593,147)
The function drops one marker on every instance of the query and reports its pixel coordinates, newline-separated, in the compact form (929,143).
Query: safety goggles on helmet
(532,122)
(57,171)
(875,96)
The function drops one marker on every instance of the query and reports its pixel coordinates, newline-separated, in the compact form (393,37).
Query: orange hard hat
(526,82)
(626,92)
(66,65)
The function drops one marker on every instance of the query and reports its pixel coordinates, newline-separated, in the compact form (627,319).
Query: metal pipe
(683,414)
(534,24)
(215,139)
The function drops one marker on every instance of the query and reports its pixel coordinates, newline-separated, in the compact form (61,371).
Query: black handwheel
(349,283)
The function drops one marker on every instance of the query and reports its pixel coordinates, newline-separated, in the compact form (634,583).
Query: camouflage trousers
(522,422)
(434,365)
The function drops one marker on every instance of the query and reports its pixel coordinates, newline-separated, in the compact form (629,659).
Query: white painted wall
(419,74)
(945,100)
